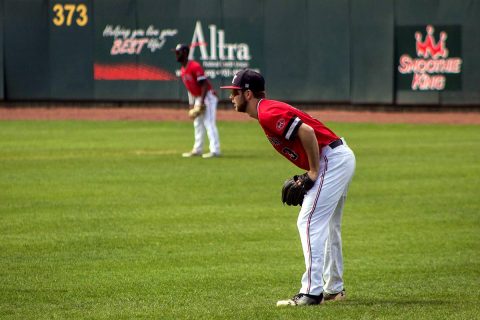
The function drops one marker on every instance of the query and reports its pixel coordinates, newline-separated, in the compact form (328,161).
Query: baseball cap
(247,79)
(181,47)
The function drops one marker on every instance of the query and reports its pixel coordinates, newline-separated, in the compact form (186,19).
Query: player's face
(180,55)
(238,100)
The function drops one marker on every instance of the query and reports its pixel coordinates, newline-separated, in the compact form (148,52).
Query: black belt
(335,143)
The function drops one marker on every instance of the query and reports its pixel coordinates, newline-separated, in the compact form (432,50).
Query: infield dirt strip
(176,114)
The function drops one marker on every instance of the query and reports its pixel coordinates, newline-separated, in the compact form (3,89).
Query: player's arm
(310,144)
(199,75)
(191,99)
(204,87)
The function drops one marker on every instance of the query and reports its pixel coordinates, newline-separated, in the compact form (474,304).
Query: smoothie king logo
(218,57)
(432,63)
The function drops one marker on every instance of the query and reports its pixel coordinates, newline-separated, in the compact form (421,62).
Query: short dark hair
(259,94)
(182,47)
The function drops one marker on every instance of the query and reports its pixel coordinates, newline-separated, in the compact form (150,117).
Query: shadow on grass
(384,302)
(234,156)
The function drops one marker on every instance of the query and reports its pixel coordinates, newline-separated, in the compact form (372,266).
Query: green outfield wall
(402,52)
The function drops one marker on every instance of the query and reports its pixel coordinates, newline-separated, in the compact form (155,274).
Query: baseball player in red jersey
(203,104)
(328,161)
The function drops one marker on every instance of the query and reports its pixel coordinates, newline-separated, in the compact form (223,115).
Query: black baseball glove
(295,188)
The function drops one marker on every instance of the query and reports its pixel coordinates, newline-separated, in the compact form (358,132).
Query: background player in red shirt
(313,147)
(201,97)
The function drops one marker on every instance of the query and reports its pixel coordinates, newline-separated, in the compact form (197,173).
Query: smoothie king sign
(429,62)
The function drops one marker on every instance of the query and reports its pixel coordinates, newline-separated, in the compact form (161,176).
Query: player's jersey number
(68,13)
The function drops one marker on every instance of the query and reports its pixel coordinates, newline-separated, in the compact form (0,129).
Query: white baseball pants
(319,222)
(207,122)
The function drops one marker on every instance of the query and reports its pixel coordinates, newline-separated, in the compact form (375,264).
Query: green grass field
(105,220)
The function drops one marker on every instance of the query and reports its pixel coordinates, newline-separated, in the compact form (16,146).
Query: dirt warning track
(176,114)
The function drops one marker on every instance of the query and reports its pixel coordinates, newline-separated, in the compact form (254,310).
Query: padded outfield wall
(402,52)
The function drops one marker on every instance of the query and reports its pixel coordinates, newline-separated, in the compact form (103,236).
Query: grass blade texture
(105,220)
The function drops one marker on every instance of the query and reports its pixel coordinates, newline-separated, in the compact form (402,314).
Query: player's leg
(198,131)
(199,134)
(333,265)
(209,121)
(312,226)
(336,170)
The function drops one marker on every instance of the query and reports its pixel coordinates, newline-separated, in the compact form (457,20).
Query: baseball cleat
(211,155)
(339,296)
(301,299)
(191,154)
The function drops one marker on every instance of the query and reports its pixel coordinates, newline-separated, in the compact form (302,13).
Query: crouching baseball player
(203,104)
(321,190)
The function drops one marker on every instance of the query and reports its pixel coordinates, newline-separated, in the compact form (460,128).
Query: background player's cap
(247,79)
(181,47)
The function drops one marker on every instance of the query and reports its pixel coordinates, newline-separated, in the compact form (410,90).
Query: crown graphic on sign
(429,48)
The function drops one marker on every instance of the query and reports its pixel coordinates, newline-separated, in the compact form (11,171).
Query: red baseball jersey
(281,122)
(191,75)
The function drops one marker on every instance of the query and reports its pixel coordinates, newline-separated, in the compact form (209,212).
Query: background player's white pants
(319,222)
(207,122)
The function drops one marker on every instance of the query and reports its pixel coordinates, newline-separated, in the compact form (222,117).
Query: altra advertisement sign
(209,45)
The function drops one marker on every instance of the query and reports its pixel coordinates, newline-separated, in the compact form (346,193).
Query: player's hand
(197,110)
(310,175)
(313,175)
(295,188)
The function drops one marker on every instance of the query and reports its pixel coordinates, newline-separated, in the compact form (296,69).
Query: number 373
(64,14)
